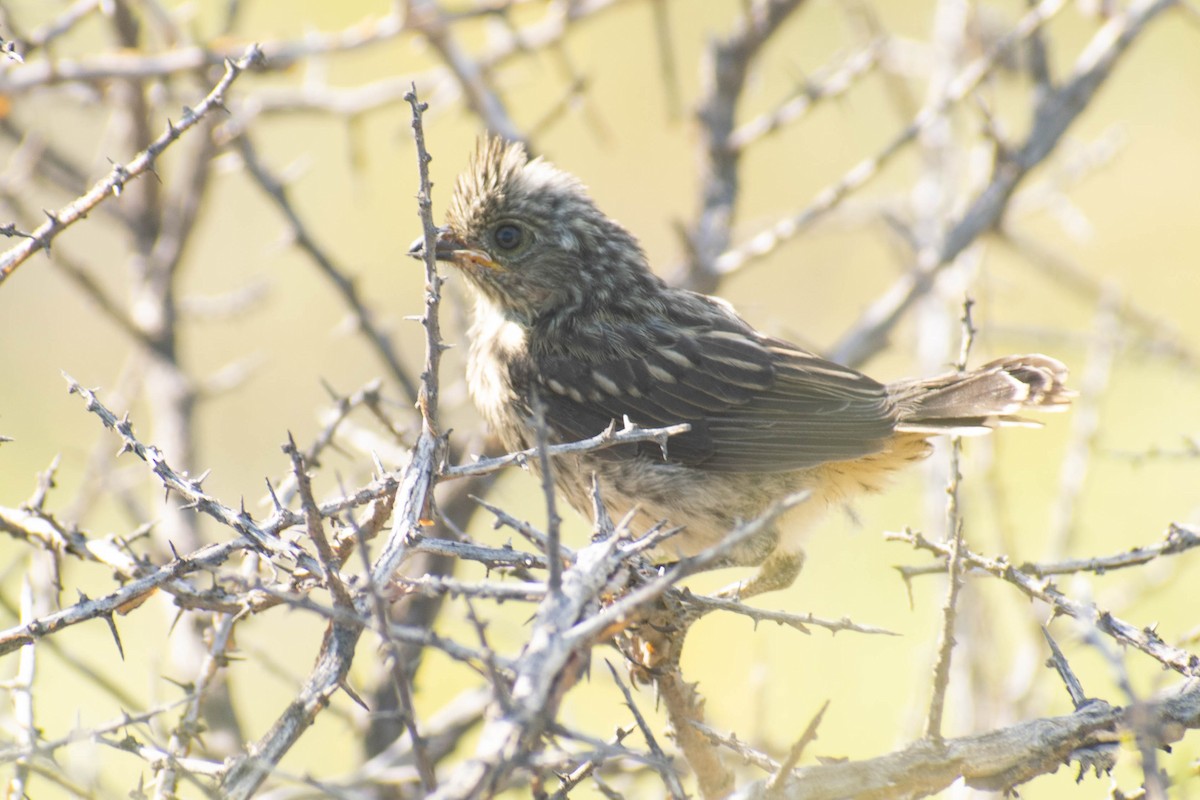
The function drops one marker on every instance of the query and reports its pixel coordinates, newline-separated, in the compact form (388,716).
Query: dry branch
(996,761)
(121,174)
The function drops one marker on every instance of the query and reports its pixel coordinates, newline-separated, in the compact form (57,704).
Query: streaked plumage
(568,308)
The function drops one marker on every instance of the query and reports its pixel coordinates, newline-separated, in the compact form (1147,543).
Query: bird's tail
(966,403)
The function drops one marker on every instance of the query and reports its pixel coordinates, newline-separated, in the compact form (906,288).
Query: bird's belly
(706,505)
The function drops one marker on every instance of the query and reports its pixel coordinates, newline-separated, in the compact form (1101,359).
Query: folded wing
(755,404)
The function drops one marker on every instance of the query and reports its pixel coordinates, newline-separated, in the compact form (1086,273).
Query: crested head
(530,239)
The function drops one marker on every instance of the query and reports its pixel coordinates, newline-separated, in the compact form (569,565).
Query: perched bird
(568,312)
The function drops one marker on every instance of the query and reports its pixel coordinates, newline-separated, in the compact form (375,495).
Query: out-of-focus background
(1094,261)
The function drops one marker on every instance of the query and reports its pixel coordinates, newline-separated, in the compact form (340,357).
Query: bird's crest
(501,174)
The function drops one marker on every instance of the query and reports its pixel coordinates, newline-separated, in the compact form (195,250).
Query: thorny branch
(996,761)
(114,183)
(1043,588)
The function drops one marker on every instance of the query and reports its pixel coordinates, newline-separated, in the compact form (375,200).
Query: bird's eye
(508,237)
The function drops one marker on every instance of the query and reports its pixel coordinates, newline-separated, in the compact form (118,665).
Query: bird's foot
(779,571)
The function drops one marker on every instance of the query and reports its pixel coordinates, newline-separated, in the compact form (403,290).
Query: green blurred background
(1129,223)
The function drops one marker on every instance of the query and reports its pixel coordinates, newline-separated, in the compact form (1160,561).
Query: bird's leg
(777,572)
(659,636)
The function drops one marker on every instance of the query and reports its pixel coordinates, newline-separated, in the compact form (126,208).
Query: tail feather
(985,398)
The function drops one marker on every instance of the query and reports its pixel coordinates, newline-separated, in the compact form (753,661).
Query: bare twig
(609,437)
(801,622)
(732,743)
(190,488)
(670,779)
(778,780)
(954,563)
(1144,639)
(121,174)
(553,521)
(427,398)
(1178,539)
(995,761)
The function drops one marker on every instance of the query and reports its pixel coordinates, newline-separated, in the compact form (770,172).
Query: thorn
(274,497)
(344,685)
(112,626)
(187,686)
(197,483)
(178,615)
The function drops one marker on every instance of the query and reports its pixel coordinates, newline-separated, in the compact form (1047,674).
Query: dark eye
(508,236)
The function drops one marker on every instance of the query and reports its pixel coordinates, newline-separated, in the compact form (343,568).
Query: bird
(570,321)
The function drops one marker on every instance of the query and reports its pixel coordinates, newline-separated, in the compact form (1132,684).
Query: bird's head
(529,238)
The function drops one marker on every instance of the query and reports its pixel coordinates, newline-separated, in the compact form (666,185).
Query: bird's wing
(754,404)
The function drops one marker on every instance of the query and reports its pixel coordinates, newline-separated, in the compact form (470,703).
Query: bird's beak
(448,246)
